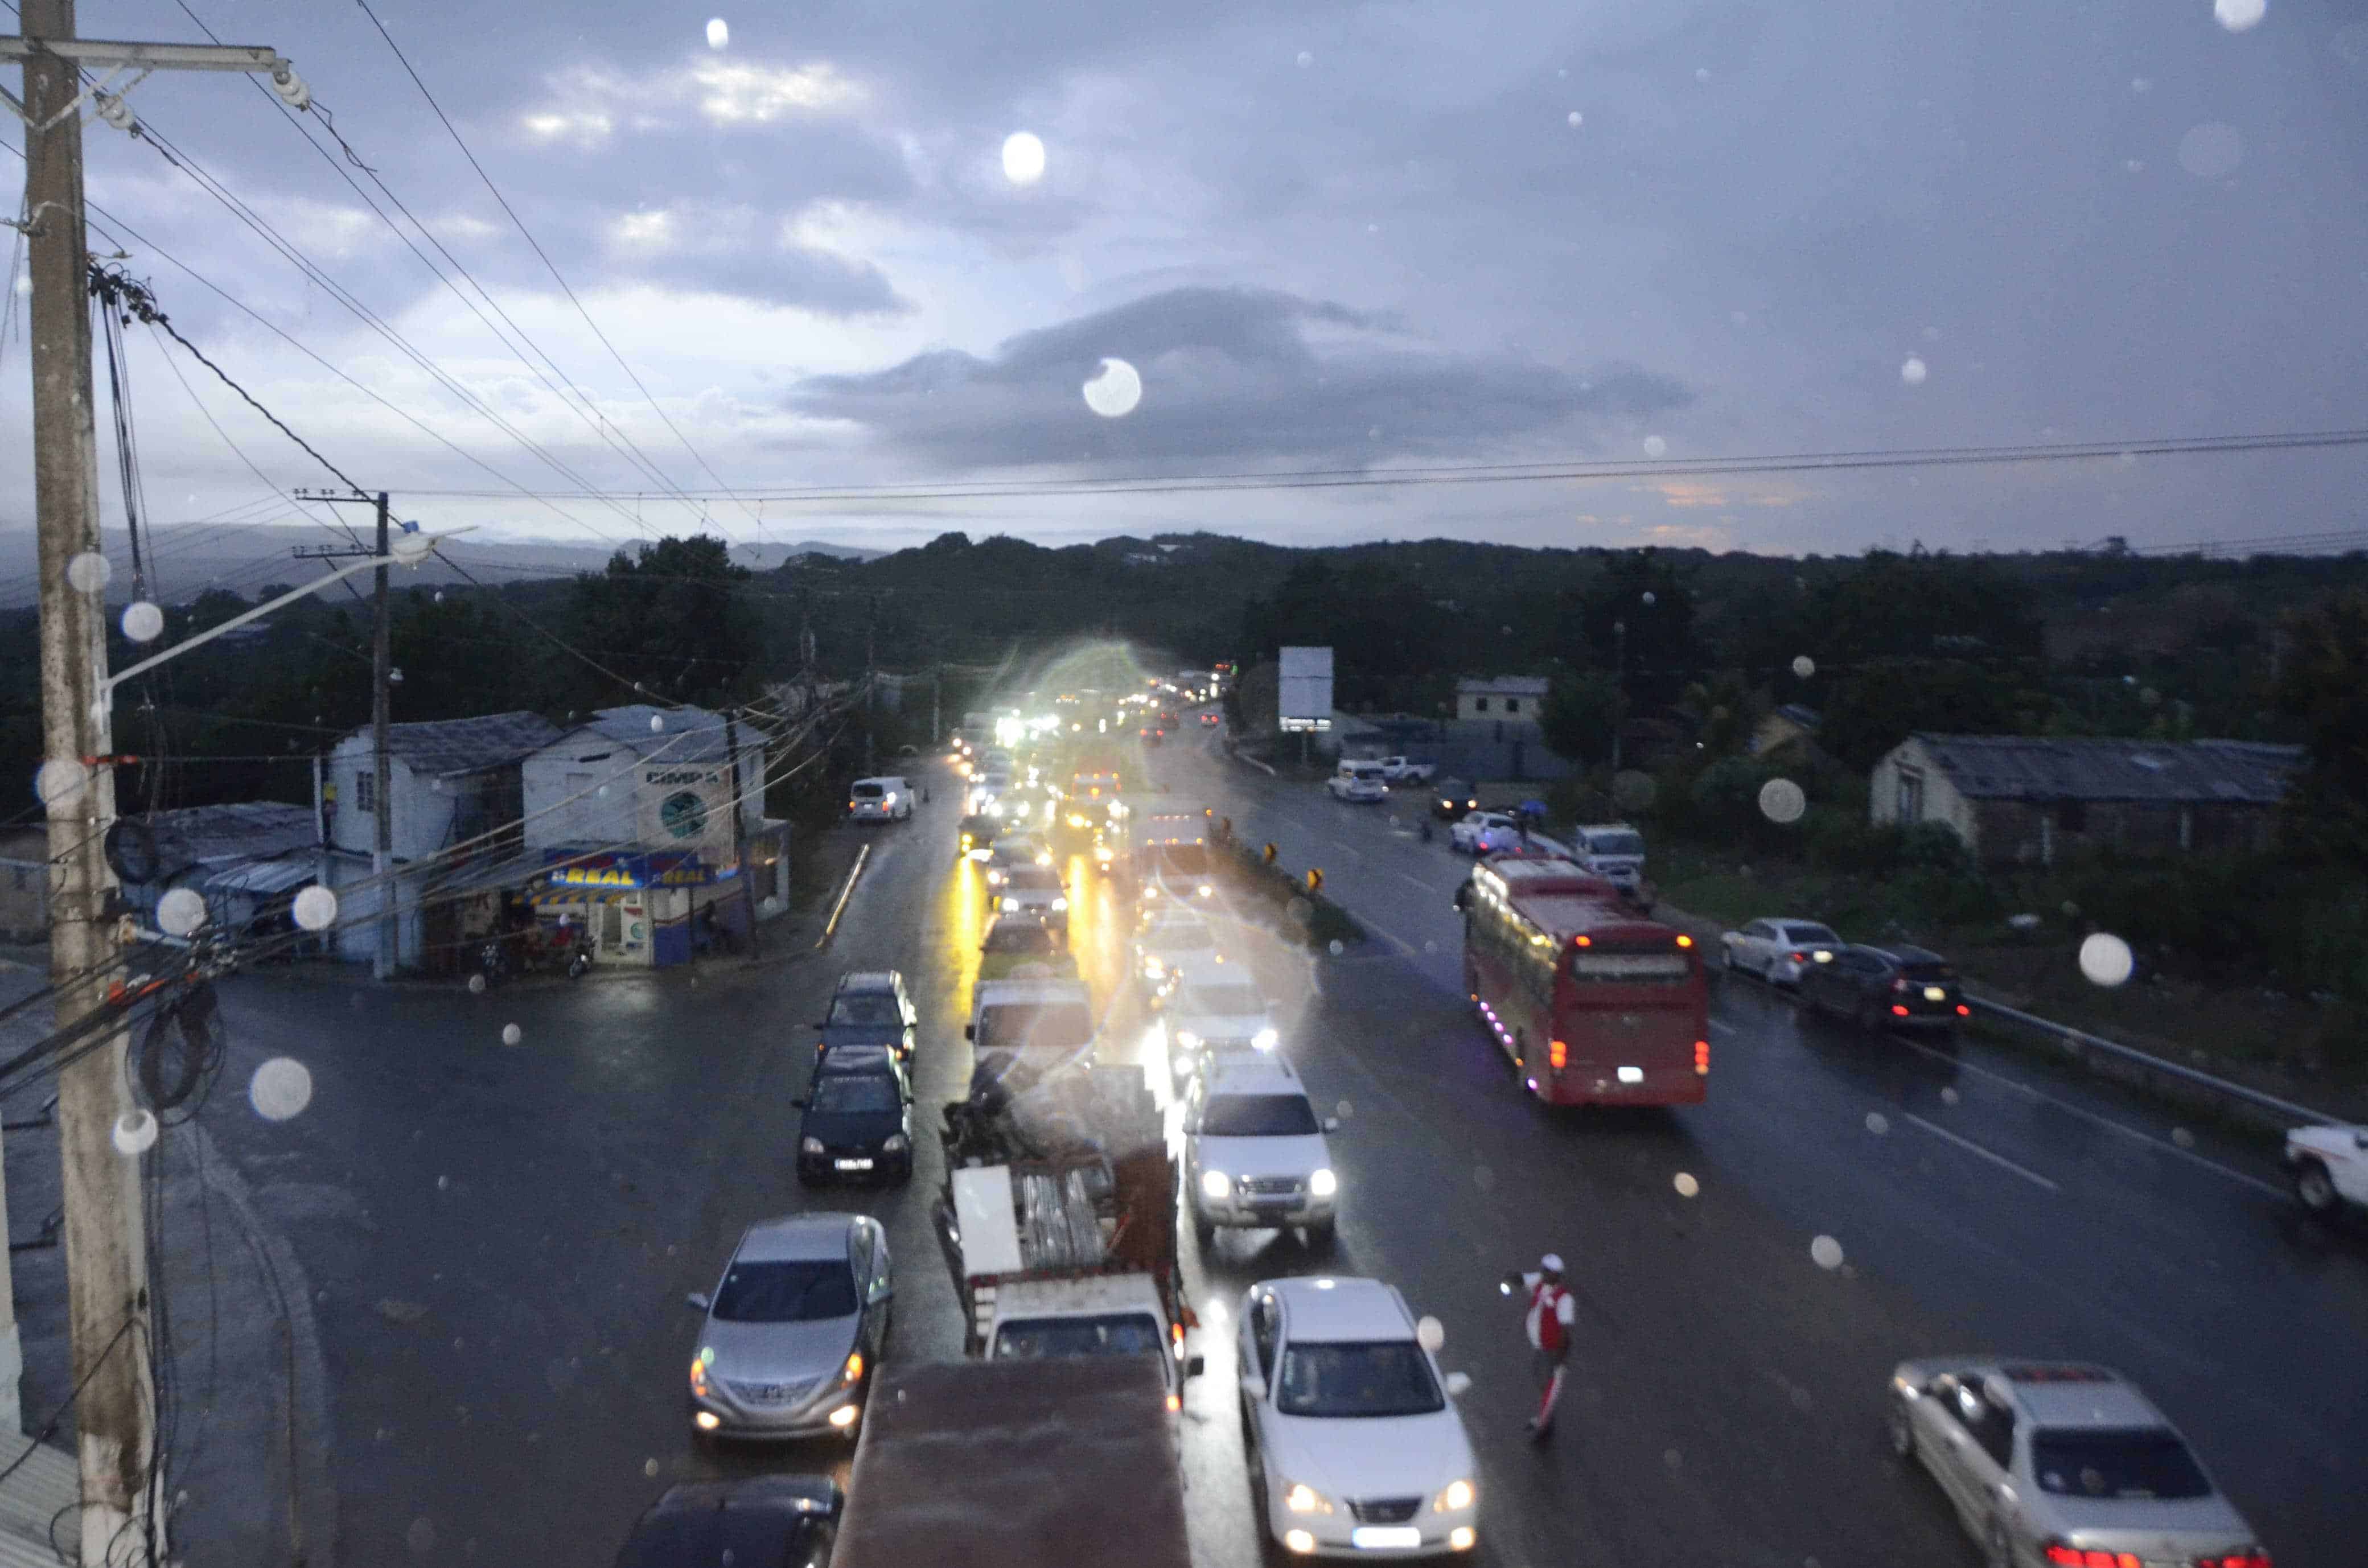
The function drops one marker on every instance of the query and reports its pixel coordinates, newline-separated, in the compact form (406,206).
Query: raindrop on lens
(512,1034)
(57,781)
(650,1468)
(136,1133)
(1825,1253)
(1948,1095)
(420,1537)
(180,912)
(1654,446)
(1431,1334)
(1913,372)
(315,909)
(476,985)
(1344,1110)
(1877,1123)
(1632,791)
(143,621)
(1305,59)
(1337,948)
(1702,73)
(719,33)
(89,571)
(2105,959)
(1114,390)
(1686,1185)
(2239,15)
(1024,158)
(1805,667)
(2182,1137)
(1576,120)
(657,722)
(2211,151)
(1781,801)
(280,1088)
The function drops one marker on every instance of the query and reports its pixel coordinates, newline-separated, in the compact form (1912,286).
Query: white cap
(1551,1263)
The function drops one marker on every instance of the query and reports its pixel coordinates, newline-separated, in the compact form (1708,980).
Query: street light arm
(413,549)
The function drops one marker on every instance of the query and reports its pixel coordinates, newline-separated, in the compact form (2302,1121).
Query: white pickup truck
(1406,770)
(2329,1166)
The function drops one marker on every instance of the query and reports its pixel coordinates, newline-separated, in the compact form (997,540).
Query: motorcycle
(579,961)
(494,962)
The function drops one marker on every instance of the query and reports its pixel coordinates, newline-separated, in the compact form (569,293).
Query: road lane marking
(2240,1177)
(1973,1148)
(1416,880)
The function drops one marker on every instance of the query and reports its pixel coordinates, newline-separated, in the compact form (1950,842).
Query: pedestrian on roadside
(1547,1321)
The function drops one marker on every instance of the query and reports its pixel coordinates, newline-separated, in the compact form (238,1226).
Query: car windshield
(2136,1462)
(1033,877)
(853,1094)
(867,1009)
(1257,1115)
(1926,969)
(1614,844)
(1022,939)
(1109,1333)
(1034,1025)
(1388,1376)
(1220,1001)
(1181,938)
(799,1292)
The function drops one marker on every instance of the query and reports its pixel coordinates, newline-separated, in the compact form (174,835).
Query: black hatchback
(870,1007)
(789,1520)
(1887,988)
(858,1117)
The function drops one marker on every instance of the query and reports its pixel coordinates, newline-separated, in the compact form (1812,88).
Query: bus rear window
(1629,968)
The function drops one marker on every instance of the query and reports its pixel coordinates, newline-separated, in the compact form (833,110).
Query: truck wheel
(2314,1188)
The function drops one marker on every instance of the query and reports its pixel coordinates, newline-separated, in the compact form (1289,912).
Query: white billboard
(1304,690)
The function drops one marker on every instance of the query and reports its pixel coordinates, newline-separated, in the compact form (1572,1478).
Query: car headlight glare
(896,1143)
(1458,1495)
(811,1145)
(1266,1038)
(1011,903)
(1323,1184)
(1188,1039)
(1216,1185)
(1301,1498)
(1060,904)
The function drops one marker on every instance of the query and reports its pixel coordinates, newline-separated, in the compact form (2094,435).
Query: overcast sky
(1326,237)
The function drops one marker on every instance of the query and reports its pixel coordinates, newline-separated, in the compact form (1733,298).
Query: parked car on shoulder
(2052,1462)
(789,1520)
(1887,988)
(1359,780)
(792,1331)
(1778,947)
(2329,1166)
(1484,833)
(1406,769)
(858,1117)
(880,799)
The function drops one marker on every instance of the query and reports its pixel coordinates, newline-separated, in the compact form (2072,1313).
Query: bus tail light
(1702,1057)
(1558,1054)
(1963,1011)
(1685,941)
(1897,1011)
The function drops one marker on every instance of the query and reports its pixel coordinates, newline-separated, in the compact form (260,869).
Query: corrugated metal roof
(242,830)
(2019,767)
(442,748)
(43,1481)
(1508,685)
(264,878)
(684,735)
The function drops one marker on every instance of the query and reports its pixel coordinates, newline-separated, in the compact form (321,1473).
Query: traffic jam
(1069,1171)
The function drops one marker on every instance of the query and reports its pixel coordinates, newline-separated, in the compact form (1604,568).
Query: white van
(1612,850)
(1358,779)
(879,799)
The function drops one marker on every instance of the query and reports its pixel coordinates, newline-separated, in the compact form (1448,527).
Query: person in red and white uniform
(1547,1318)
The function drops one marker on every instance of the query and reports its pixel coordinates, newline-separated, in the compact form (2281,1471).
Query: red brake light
(1702,1056)
(1897,1011)
(2059,1553)
(1800,958)
(2253,1559)
(1583,942)
(1685,941)
(1963,1011)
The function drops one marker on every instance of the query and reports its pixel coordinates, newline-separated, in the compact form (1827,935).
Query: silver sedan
(2053,1463)
(1778,947)
(793,1330)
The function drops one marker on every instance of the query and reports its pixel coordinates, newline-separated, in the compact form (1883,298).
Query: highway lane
(2022,1208)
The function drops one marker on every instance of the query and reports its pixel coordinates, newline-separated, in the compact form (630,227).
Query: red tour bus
(1595,1004)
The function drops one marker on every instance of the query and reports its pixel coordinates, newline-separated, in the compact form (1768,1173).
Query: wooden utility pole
(106,1241)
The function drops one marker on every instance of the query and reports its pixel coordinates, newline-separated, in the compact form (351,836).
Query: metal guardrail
(2079,1042)
(840,909)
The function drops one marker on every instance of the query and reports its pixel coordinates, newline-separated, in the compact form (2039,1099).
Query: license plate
(1934,994)
(1632,1075)
(852,1164)
(1385,1537)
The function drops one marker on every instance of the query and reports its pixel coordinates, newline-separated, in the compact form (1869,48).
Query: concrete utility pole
(739,824)
(871,686)
(383,964)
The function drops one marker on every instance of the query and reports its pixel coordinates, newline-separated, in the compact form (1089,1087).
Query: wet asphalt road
(501,1236)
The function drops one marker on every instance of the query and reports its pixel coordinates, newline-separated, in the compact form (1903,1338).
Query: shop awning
(552,898)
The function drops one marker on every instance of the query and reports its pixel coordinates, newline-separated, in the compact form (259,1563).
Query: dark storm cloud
(1243,374)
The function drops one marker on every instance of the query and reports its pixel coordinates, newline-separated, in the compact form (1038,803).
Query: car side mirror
(969,1031)
(1331,1124)
(697,1301)
(1253,1386)
(1195,1366)
(1458,1384)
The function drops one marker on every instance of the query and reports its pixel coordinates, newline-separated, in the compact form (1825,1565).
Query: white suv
(1353,1435)
(1358,781)
(1175,943)
(1253,1151)
(879,799)
(1215,1013)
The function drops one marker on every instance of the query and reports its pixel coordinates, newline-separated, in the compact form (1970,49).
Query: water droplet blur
(57,781)
(650,1468)
(1576,120)
(1805,667)
(1115,390)
(2212,150)
(657,722)
(1781,801)
(1300,911)
(602,792)
(2142,84)
(2182,1137)
(2105,959)
(1430,947)
(1686,1185)
(1671,1458)
(1877,1123)
(1024,158)
(1826,1251)
(1431,1334)
(1634,792)
(2134,166)
(476,985)
(1337,948)
(1484,1178)
(443,1183)
(180,912)
(143,621)
(315,909)
(719,32)
(2239,15)
(512,1034)
(1344,1110)
(1305,59)
(1654,446)
(420,1536)
(1948,1095)
(89,571)
(1701,72)
(280,1088)
(1912,370)
(135,1132)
